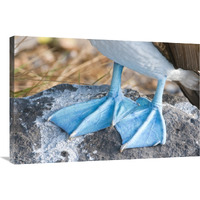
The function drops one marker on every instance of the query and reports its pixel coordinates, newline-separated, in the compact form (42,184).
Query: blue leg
(97,114)
(145,126)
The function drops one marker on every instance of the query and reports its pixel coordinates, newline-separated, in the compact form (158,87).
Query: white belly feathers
(142,57)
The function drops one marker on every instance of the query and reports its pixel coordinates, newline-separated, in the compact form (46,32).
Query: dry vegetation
(41,63)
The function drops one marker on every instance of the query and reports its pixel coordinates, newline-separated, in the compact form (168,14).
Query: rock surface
(35,140)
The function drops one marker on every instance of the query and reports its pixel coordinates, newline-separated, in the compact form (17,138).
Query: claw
(72,135)
(122,148)
(49,119)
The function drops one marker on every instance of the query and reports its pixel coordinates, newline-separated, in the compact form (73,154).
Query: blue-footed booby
(140,123)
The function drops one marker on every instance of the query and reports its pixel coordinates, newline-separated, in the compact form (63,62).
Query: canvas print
(96,99)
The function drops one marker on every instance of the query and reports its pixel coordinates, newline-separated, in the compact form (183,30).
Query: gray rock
(35,140)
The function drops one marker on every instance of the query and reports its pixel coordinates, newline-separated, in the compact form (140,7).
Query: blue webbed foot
(144,127)
(94,115)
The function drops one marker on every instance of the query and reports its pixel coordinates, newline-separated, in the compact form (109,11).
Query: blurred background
(41,63)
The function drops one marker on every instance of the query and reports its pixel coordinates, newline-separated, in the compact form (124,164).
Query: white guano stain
(53,139)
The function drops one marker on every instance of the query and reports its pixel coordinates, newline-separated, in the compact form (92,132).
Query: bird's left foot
(144,127)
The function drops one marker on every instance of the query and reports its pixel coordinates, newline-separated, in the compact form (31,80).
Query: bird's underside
(139,123)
